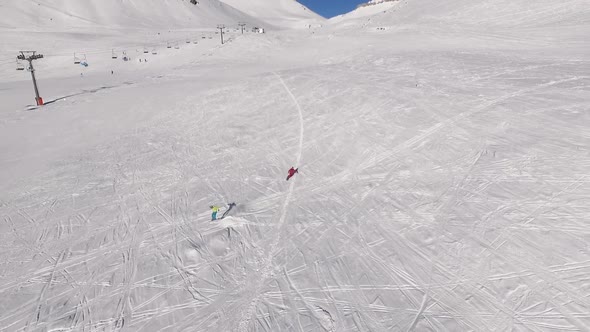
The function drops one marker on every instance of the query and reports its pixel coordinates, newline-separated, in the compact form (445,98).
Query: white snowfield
(279,13)
(52,15)
(368,10)
(443,177)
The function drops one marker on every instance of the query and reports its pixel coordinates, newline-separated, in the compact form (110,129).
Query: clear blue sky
(331,8)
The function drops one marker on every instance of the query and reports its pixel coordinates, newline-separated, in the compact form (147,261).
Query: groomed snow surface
(443,177)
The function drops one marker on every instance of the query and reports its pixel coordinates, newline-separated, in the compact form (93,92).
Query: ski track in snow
(444,185)
(268,266)
(175,231)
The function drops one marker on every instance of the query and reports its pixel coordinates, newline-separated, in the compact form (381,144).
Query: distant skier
(292,172)
(214,209)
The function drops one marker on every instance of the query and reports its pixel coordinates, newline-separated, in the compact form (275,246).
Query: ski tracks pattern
(268,267)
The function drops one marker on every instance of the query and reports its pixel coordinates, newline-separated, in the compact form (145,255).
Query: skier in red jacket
(292,172)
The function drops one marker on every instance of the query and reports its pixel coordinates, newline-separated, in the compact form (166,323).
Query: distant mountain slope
(67,14)
(280,13)
(489,13)
(368,9)
(375,2)
(482,14)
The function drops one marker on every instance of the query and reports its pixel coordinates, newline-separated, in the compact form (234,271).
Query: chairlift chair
(19,65)
(188,41)
(168,45)
(176,46)
(154,51)
(79,59)
(114,55)
(145,50)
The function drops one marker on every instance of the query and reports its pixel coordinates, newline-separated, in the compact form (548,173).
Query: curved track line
(267,269)
(292,184)
(300,111)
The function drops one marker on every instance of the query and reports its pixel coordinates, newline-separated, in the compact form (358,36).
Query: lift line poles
(221,27)
(242,25)
(30,57)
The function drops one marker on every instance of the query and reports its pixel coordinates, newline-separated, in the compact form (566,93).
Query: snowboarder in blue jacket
(214,209)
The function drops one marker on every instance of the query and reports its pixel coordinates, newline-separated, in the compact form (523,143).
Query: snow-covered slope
(280,13)
(112,14)
(485,14)
(443,177)
(491,13)
(485,23)
(369,9)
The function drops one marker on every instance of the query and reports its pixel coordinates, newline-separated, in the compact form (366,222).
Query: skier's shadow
(231,206)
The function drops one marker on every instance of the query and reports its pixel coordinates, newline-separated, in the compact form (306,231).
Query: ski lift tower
(242,25)
(31,56)
(221,27)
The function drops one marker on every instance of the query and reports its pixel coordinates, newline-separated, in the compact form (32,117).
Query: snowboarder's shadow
(231,206)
